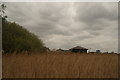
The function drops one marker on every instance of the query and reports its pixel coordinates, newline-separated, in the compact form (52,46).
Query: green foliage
(16,38)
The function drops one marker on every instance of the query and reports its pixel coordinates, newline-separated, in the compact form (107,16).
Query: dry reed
(59,65)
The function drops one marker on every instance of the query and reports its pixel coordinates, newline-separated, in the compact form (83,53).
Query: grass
(59,65)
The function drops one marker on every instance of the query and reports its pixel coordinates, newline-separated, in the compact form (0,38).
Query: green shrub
(16,38)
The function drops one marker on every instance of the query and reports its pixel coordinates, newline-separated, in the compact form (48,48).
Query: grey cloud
(97,16)
(94,12)
(65,25)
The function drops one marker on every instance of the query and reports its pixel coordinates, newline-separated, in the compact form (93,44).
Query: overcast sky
(65,25)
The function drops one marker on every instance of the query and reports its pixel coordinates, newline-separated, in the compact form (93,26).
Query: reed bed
(60,65)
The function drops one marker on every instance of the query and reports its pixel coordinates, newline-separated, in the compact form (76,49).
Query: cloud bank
(64,25)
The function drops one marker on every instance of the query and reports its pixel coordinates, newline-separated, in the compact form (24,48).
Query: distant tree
(15,38)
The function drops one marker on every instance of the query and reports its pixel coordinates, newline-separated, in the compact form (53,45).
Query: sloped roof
(59,49)
(79,47)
